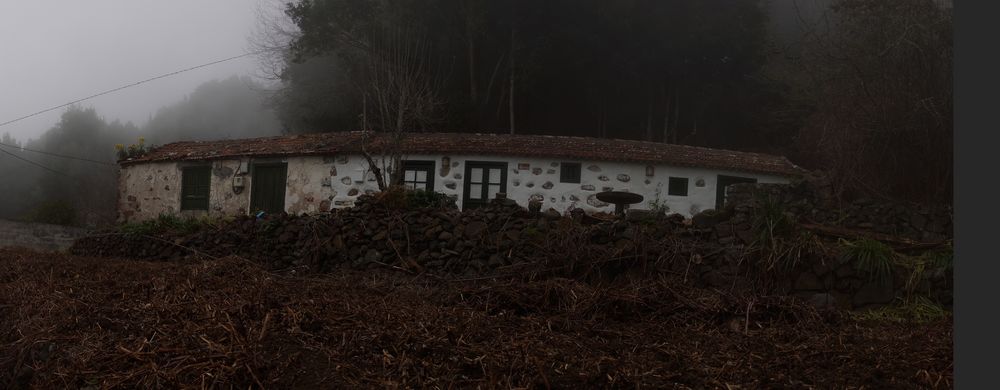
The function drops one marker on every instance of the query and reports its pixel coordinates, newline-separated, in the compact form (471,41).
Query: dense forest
(861,90)
(42,184)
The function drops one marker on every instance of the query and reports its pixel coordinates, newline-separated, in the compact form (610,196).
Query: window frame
(189,190)
(485,196)
(562,172)
(420,165)
(672,180)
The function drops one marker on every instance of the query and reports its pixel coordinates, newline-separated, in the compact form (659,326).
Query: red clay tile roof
(563,147)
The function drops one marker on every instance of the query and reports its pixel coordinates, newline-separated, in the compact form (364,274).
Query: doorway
(267,190)
(724,181)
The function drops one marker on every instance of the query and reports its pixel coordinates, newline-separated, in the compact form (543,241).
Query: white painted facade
(317,183)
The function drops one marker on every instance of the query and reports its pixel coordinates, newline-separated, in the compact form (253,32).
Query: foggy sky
(56,51)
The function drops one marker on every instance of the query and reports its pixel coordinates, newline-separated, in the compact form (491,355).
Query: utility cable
(129,86)
(36,164)
(59,155)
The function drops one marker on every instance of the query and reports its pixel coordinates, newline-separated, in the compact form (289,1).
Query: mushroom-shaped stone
(620,199)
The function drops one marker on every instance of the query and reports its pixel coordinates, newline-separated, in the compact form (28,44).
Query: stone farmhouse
(314,173)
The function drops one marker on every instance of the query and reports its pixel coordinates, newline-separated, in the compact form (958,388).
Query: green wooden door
(267,192)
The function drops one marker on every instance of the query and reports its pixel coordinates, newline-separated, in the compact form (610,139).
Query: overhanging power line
(127,86)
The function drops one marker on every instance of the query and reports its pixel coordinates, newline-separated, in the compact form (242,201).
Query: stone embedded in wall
(574,198)
(624,178)
(343,160)
(346,180)
(166,187)
(445,166)
(695,209)
(551,171)
(603,178)
(326,182)
(536,198)
(352,192)
(699,183)
(594,168)
(370,192)
(516,183)
(324,206)
(457,176)
(455,164)
(333,171)
(593,201)
(548,185)
(587,187)
(606,189)
(530,185)
(648,182)
(515,171)
(553,199)
(536,171)
(343,203)
(450,185)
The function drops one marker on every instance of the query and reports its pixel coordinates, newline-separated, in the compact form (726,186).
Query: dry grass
(75,322)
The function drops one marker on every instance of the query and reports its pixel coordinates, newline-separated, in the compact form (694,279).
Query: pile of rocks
(809,201)
(716,249)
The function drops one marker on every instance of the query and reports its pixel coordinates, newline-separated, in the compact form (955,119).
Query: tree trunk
(470,35)
(510,104)
(666,116)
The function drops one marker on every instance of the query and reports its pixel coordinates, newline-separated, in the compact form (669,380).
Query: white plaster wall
(149,190)
(317,184)
(522,185)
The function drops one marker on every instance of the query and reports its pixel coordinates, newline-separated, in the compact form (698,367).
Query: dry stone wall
(718,249)
(38,236)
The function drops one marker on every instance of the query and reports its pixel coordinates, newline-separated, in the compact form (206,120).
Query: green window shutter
(195,184)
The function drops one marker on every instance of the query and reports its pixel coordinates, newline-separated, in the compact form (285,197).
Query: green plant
(165,223)
(657,205)
(132,151)
(870,257)
(54,212)
(771,222)
(919,265)
(917,310)
(424,199)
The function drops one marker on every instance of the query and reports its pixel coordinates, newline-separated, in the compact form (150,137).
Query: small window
(569,172)
(418,175)
(678,186)
(195,184)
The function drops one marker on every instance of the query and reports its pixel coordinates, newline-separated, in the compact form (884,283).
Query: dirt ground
(76,322)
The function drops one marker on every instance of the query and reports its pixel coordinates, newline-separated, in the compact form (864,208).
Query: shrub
(770,221)
(164,224)
(54,212)
(428,199)
(919,310)
(871,257)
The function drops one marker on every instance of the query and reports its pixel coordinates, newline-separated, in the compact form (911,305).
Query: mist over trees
(230,108)
(860,89)
(48,188)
